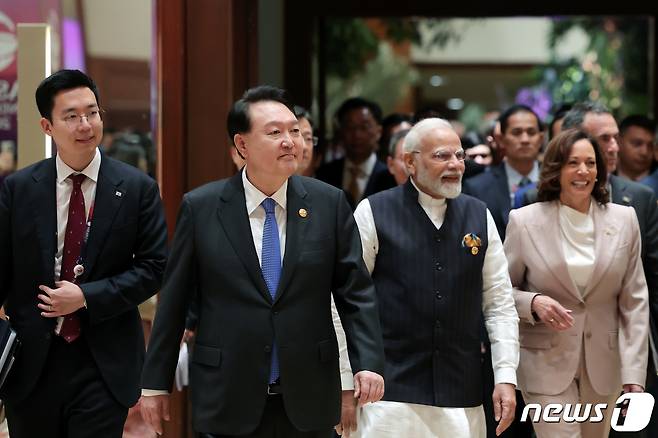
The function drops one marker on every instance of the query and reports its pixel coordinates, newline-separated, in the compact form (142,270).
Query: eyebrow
(71,109)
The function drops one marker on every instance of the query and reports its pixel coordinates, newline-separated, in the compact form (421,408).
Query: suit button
(438,295)
(437,239)
(588,335)
(275,312)
(268,349)
(439,267)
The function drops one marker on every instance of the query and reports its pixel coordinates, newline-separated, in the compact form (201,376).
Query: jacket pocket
(210,356)
(541,341)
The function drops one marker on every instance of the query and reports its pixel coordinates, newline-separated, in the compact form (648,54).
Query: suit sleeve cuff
(505,375)
(636,376)
(152,392)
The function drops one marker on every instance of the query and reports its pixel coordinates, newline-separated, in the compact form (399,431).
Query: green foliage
(614,69)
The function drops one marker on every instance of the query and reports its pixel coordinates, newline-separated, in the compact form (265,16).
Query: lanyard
(79,267)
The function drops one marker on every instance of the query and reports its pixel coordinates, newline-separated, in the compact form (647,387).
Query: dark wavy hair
(556,157)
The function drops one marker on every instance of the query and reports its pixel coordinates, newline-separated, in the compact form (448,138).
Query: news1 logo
(638,407)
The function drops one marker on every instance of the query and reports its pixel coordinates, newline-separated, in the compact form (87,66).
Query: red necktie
(76,227)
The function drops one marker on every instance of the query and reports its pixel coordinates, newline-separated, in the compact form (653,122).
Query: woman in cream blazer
(579,288)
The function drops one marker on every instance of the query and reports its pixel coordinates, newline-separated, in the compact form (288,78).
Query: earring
(596,179)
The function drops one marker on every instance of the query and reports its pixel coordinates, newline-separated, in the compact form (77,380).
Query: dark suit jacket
(491,188)
(643,200)
(213,257)
(380,178)
(126,255)
(651,181)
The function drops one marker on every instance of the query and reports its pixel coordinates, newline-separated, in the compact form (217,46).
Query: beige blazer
(612,315)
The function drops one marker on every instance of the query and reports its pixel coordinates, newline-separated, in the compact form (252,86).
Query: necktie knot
(268,204)
(77,179)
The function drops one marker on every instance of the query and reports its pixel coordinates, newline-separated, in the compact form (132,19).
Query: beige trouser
(579,391)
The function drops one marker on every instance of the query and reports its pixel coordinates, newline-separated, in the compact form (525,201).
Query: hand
(552,313)
(65,299)
(368,387)
(347,423)
(154,409)
(504,404)
(631,387)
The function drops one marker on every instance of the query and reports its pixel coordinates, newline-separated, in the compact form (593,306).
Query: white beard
(439,189)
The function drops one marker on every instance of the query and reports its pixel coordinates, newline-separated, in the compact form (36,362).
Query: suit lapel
(107,202)
(619,193)
(232,214)
(295,231)
(503,191)
(545,236)
(44,205)
(606,239)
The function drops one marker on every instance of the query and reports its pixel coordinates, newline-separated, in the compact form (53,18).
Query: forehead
(304,125)
(436,138)
(522,119)
(75,98)
(358,115)
(582,147)
(599,124)
(270,112)
(638,131)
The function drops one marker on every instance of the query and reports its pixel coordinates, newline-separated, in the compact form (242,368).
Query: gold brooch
(471,240)
(302,212)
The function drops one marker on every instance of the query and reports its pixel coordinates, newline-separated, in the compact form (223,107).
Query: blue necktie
(271,267)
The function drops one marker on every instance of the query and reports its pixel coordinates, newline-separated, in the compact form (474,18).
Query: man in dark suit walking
(83,241)
(262,252)
(359,173)
(521,137)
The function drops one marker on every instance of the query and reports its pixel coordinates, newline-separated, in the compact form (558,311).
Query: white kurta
(393,419)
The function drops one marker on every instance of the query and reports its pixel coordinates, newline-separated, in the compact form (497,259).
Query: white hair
(420,129)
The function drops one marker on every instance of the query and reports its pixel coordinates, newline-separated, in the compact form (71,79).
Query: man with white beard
(438,264)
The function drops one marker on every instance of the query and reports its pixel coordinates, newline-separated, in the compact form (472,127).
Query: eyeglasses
(313,140)
(74,120)
(444,155)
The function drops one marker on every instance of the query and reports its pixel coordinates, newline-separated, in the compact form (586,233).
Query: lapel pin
(302,212)
(626,199)
(118,194)
(471,240)
(78,270)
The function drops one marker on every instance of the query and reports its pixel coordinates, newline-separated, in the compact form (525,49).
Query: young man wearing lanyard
(83,241)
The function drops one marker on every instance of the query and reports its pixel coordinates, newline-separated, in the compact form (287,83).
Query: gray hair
(418,131)
(576,115)
(395,138)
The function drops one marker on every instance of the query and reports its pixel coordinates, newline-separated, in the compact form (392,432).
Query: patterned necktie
(271,267)
(76,227)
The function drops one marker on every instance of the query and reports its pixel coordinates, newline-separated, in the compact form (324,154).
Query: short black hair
(576,115)
(639,120)
(359,102)
(238,121)
(518,108)
(61,81)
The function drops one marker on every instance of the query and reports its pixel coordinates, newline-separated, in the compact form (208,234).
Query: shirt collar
(91,171)
(366,167)
(255,197)
(427,201)
(514,177)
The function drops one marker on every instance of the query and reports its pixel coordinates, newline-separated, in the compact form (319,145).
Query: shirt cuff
(152,392)
(505,375)
(346,381)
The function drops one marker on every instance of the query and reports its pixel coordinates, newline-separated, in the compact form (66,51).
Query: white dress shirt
(365,168)
(63,193)
(384,419)
(578,244)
